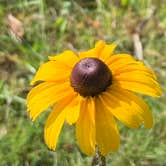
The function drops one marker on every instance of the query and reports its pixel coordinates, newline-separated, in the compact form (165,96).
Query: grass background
(51,26)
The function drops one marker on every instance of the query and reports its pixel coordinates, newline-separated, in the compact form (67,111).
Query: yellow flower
(91,90)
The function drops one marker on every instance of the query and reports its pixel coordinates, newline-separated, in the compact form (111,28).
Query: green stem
(98,159)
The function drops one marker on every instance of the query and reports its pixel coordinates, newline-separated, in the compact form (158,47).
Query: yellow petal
(52,71)
(85,126)
(142,79)
(136,76)
(52,130)
(73,110)
(138,67)
(123,64)
(107,134)
(121,109)
(45,95)
(118,61)
(67,57)
(107,52)
(139,106)
(140,87)
(55,121)
(93,53)
(99,45)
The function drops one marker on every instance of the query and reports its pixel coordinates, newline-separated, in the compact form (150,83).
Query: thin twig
(138,50)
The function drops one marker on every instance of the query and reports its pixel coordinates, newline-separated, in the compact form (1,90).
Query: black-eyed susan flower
(92,90)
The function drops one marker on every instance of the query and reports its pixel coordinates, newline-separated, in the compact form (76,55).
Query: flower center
(90,77)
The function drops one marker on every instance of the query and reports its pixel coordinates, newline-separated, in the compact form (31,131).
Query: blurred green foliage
(52,26)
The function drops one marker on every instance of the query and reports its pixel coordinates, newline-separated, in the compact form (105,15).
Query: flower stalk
(98,159)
